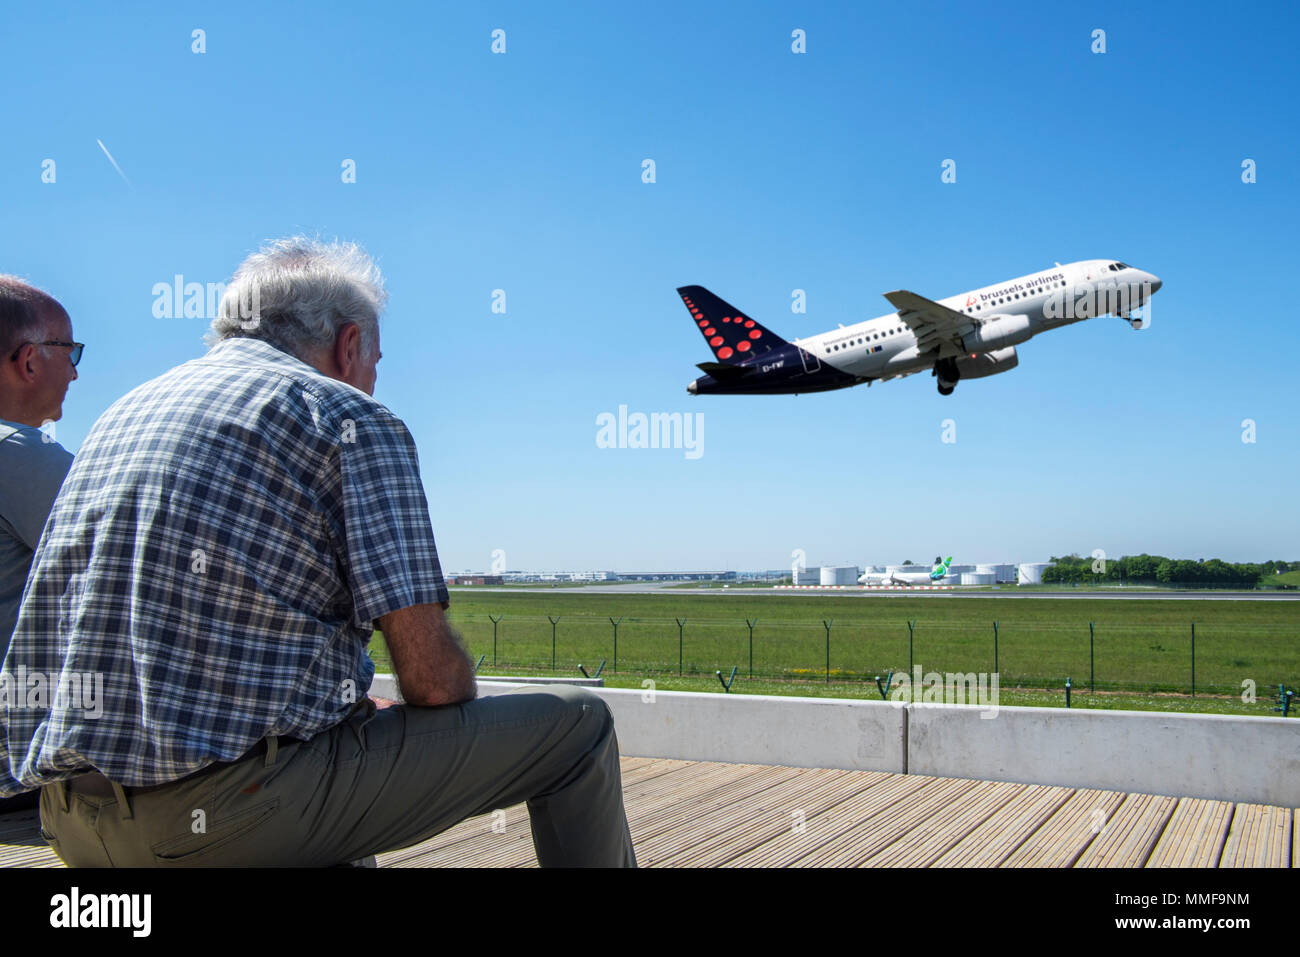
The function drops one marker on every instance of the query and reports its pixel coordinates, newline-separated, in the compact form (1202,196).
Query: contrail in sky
(113,161)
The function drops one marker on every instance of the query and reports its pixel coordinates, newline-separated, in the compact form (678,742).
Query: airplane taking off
(936,574)
(968,336)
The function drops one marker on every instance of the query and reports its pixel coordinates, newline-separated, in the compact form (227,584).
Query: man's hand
(431,666)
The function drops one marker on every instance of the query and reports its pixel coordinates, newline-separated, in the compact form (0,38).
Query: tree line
(1157,569)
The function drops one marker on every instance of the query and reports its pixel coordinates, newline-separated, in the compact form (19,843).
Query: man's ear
(23,363)
(347,348)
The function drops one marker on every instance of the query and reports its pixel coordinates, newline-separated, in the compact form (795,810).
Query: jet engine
(997,332)
(988,363)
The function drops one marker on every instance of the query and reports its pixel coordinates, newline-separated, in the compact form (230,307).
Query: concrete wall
(755,729)
(744,729)
(1224,757)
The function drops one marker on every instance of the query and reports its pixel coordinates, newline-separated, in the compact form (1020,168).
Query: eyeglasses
(75,355)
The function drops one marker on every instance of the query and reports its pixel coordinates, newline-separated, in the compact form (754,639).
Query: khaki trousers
(378,781)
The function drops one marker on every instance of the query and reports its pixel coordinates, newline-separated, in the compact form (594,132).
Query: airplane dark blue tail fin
(732,335)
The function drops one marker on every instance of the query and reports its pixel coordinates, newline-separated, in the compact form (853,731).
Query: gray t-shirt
(32,469)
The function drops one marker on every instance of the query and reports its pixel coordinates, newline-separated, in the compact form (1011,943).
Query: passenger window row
(866,338)
(971,310)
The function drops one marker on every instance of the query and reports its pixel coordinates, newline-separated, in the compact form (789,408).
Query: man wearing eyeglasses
(41,359)
(40,362)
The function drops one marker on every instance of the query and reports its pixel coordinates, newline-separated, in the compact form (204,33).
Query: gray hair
(24,313)
(296,293)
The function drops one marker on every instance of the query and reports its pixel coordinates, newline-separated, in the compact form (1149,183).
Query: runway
(659,588)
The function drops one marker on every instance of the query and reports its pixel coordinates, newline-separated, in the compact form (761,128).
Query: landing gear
(946,371)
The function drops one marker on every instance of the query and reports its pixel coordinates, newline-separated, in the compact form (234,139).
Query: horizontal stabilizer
(721,371)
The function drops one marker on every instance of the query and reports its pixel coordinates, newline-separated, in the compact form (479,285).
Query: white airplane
(936,574)
(967,336)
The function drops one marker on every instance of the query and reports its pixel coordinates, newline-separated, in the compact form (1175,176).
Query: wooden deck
(692,814)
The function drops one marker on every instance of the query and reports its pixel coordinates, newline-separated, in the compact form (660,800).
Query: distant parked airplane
(936,574)
(967,336)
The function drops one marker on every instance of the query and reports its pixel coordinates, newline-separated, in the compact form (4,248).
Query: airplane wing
(931,323)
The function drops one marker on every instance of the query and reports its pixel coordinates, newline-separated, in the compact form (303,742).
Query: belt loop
(272,749)
(124,806)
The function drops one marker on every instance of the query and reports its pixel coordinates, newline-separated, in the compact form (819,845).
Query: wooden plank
(663,802)
(626,764)
(1194,835)
(686,813)
(458,845)
(871,835)
(21,844)
(18,856)
(809,797)
(1130,835)
(789,847)
(1006,829)
(673,811)
(1259,836)
(779,806)
(1064,836)
(933,837)
(19,826)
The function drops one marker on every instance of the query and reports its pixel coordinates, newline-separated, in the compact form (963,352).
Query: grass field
(1141,651)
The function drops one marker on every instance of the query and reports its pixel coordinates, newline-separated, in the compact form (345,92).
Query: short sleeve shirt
(211,571)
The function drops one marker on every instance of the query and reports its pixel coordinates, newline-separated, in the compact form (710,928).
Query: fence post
(615,624)
(1092,674)
(554,622)
(827,625)
(681,624)
(1193,659)
(495,621)
(751,625)
(995,647)
(911,658)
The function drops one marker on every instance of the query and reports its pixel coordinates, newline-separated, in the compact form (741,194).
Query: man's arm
(429,661)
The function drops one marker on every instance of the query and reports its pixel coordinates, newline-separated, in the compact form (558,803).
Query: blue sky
(775,171)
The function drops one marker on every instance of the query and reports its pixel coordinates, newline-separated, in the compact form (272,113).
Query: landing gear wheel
(946,371)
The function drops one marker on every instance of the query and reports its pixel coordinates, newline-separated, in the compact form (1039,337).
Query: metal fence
(1188,659)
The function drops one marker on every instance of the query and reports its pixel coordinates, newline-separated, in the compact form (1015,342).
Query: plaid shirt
(210,571)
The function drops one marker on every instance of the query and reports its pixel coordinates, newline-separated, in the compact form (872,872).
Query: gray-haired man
(226,537)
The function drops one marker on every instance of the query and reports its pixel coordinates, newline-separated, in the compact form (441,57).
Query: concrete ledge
(760,729)
(1224,757)
(385,685)
(742,729)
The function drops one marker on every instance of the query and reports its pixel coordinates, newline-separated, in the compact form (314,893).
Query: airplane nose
(1155,284)
(691,388)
